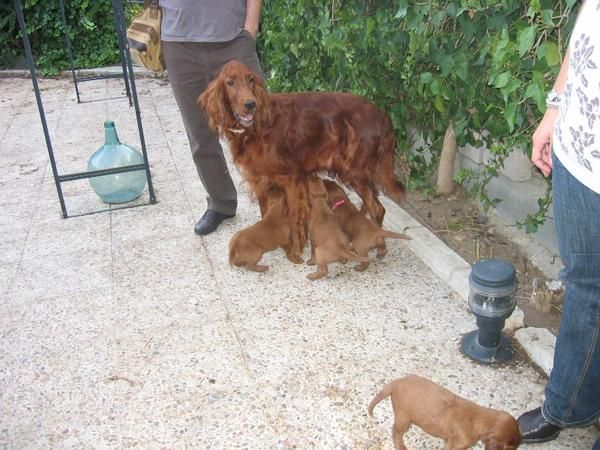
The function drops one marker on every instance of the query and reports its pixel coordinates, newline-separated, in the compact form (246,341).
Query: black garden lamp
(492,287)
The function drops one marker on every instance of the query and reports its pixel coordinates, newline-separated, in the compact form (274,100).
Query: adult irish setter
(281,138)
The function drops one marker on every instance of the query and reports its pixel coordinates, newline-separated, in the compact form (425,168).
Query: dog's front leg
(260,187)
(297,202)
(320,273)
(313,259)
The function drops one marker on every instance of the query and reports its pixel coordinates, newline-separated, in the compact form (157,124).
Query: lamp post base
(489,355)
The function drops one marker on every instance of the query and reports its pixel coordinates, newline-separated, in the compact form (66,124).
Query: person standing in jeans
(567,144)
(198,38)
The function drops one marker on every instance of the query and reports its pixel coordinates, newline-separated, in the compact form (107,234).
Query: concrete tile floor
(124,329)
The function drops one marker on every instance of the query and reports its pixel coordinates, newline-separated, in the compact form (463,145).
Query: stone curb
(454,271)
(539,345)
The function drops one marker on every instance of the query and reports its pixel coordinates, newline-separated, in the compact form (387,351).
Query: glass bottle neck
(110,136)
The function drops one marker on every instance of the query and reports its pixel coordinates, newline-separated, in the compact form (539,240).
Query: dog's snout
(250,105)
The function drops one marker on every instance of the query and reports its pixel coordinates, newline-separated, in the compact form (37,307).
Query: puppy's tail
(384,393)
(394,235)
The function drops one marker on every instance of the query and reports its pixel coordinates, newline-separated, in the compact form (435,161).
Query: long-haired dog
(437,411)
(364,233)
(285,137)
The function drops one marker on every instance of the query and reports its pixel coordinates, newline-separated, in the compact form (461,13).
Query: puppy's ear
(214,103)
(494,444)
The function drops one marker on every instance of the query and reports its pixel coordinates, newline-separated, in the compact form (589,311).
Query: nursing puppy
(364,233)
(328,241)
(248,246)
(437,411)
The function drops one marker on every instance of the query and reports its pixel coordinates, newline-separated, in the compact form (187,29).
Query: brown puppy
(247,246)
(439,412)
(328,241)
(364,233)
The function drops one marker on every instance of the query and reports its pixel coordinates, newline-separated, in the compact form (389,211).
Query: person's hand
(541,154)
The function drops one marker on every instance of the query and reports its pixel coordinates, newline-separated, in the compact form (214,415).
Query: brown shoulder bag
(143,37)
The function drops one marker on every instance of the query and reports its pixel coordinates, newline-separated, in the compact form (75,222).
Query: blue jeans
(573,390)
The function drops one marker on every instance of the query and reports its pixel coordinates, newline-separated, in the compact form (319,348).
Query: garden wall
(519,186)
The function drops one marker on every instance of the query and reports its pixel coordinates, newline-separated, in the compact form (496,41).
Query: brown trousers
(190,67)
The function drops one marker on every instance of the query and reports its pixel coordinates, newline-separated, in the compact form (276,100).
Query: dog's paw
(258,268)
(361,267)
(296,259)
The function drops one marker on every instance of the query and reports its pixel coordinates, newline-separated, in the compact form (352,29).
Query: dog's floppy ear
(263,107)
(494,444)
(504,435)
(213,102)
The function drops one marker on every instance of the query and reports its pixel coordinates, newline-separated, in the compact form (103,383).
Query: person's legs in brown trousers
(190,67)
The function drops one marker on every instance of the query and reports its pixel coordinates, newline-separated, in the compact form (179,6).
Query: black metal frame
(129,78)
(80,79)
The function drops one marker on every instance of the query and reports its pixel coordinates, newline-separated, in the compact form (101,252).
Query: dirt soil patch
(457,221)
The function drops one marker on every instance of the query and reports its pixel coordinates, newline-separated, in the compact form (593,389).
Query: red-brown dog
(248,246)
(439,412)
(285,137)
(328,241)
(364,233)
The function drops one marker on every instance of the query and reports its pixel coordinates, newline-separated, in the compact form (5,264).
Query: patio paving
(124,329)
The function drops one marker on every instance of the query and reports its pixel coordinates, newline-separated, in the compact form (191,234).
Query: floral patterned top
(577,130)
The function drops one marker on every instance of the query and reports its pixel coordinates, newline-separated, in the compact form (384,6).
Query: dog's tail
(384,393)
(393,234)
(385,175)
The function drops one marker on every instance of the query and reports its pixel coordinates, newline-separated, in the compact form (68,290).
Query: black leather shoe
(210,221)
(536,428)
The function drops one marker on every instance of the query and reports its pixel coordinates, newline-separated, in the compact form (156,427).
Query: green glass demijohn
(117,187)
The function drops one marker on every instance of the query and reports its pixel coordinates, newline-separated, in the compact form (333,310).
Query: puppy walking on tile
(248,246)
(328,241)
(440,413)
(364,233)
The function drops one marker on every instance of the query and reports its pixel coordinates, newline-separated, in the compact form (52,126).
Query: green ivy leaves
(525,39)
(91,30)
(483,65)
